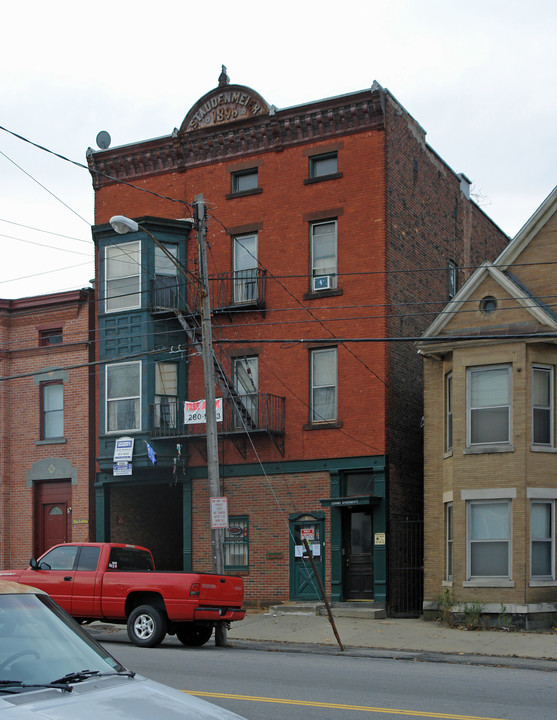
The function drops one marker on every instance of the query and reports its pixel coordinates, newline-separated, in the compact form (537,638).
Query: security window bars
(489,405)
(542,406)
(323,254)
(323,399)
(236,544)
(489,539)
(122,276)
(52,410)
(542,538)
(123,397)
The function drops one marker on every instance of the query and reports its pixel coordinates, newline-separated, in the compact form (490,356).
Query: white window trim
(478,497)
(550,444)
(313,387)
(449,541)
(504,445)
(449,388)
(314,271)
(106,281)
(543,495)
(106,400)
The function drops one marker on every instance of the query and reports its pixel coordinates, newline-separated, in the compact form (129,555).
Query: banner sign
(195,414)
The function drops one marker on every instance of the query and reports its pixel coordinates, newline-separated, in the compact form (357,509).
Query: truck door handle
(68,578)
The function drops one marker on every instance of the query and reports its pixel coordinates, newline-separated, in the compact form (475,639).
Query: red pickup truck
(115,583)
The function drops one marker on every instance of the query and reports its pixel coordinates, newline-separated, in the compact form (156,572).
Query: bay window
(123,397)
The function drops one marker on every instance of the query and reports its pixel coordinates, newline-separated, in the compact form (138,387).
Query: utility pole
(217,534)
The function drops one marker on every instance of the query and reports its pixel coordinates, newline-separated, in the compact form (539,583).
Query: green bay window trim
(324,385)
(236,543)
(324,264)
(52,410)
(489,539)
(542,405)
(489,393)
(123,397)
(542,540)
(122,276)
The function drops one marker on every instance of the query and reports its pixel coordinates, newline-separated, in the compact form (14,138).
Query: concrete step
(364,610)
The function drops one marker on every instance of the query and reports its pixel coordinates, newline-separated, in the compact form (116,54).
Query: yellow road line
(337,706)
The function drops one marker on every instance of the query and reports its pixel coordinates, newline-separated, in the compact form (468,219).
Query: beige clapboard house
(490,441)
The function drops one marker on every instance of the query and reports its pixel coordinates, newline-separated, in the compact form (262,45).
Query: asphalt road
(264,685)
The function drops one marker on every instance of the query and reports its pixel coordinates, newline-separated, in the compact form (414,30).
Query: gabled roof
(498,271)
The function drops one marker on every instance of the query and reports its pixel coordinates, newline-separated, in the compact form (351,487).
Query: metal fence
(406,585)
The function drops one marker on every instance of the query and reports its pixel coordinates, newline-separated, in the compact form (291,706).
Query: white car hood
(115,698)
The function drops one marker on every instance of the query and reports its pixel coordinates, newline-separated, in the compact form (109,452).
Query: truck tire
(146,626)
(193,635)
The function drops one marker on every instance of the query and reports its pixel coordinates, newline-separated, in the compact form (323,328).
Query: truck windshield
(130,559)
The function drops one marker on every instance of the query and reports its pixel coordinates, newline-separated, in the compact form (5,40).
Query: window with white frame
(246,384)
(542,405)
(323,400)
(489,539)
(489,405)
(245,268)
(324,255)
(123,397)
(449,541)
(542,539)
(448,412)
(236,543)
(166,278)
(166,395)
(122,276)
(52,410)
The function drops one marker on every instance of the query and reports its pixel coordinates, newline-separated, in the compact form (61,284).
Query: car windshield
(39,643)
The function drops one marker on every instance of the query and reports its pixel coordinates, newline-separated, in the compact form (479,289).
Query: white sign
(121,468)
(219,512)
(194,412)
(123,449)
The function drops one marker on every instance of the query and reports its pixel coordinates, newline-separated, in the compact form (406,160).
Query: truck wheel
(193,635)
(146,626)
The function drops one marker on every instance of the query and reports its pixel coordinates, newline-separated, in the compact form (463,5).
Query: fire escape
(245,414)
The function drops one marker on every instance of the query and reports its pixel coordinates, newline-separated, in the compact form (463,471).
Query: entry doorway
(303,584)
(52,514)
(357,550)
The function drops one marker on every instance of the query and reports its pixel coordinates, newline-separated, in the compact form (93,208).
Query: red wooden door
(52,514)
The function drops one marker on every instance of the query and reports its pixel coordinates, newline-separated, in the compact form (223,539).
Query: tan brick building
(490,443)
(47,461)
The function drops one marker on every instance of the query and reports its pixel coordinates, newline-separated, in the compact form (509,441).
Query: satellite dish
(103,140)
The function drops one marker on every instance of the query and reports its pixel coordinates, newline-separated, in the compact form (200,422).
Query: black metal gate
(406,568)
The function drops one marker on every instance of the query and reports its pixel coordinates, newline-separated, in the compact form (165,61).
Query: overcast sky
(479,76)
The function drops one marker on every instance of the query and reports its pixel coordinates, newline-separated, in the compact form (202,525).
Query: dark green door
(303,585)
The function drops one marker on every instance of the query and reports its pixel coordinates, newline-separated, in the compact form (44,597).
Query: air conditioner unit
(322,282)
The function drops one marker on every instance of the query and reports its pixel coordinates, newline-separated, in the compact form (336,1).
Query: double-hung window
(236,544)
(245,268)
(246,385)
(448,412)
(489,539)
(542,540)
(449,536)
(489,405)
(323,394)
(52,410)
(323,255)
(166,278)
(166,395)
(122,276)
(123,397)
(542,405)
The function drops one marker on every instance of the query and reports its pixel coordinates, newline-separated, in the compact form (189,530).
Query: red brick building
(334,233)
(47,463)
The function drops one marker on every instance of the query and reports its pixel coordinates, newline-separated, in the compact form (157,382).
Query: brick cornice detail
(323,120)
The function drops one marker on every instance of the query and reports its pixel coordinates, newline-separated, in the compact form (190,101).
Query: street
(263,685)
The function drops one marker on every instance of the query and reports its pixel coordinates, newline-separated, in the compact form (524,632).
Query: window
(489,534)
(123,397)
(123,278)
(542,539)
(323,165)
(246,384)
(323,401)
(324,255)
(452,278)
(542,406)
(166,395)
(236,544)
(245,268)
(488,305)
(166,281)
(88,558)
(448,412)
(489,405)
(52,410)
(60,558)
(50,336)
(449,536)
(245,180)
